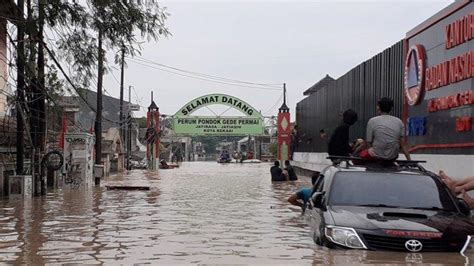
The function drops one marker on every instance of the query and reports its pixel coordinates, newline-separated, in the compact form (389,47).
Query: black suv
(396,208)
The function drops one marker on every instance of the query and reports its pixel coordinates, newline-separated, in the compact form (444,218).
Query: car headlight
(344,236)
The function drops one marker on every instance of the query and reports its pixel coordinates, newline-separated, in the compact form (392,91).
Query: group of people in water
(239,156)
(286,174)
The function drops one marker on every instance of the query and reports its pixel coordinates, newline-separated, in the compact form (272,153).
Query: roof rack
(401,163)
(337,160)
(409,162)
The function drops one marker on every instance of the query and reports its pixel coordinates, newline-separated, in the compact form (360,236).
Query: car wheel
(317,239)
(327,243)
(324,241)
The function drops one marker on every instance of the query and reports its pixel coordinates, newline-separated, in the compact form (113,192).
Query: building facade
(430,76)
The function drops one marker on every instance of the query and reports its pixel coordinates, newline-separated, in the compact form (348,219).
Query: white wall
(456,166)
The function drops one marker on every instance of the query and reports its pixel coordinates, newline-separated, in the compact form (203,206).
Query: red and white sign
(415,65)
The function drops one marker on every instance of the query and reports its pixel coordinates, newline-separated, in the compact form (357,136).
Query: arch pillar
(153,139)
(283,131)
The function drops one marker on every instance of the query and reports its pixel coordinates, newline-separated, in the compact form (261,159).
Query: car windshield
(389,190)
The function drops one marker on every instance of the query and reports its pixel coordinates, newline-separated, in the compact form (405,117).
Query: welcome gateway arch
(251,123)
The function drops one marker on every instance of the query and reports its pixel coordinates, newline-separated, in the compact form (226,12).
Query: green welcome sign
(186,124)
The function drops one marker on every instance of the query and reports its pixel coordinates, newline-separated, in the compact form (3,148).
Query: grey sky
(266,42)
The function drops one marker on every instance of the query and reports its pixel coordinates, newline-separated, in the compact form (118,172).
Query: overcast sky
(266,42)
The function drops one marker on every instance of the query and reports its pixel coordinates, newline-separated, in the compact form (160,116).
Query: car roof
(334,169)
(394,170)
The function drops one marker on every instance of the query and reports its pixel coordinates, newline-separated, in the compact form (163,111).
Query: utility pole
(121,116)
(41,114)
(129,129)
(20,63)
(98,118)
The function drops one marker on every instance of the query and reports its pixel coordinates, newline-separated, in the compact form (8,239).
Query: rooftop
(319,85)
(86,116)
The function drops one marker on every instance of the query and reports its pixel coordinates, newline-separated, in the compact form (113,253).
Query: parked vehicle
(396,208)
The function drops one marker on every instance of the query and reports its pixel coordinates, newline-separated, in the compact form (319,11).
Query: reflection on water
(200,213)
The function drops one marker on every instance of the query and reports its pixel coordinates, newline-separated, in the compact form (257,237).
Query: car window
(390,189)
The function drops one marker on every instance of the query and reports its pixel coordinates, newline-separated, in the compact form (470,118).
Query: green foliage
(141,121)
(273,148)
(78,23)
(211,142)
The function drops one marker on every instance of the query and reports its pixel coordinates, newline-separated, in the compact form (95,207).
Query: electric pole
(121,116)
(98,118)
(41,114)
(129,130)
(20,63)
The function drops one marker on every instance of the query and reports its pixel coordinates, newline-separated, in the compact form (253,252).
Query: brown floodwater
(202,212)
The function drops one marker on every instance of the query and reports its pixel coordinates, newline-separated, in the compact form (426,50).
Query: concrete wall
(457,166)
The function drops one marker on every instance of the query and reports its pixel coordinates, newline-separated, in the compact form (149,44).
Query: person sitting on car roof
(384,135)
(339,142)
(460,187)
(302,197)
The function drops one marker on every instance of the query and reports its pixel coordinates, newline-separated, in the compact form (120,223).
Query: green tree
(122,23)
(141,121)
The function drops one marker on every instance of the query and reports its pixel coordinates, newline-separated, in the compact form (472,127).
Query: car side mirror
(464,207)
(317,199)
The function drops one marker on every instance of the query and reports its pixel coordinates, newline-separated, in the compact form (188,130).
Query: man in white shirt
(385,135)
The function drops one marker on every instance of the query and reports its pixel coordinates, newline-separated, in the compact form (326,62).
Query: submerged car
(395,208)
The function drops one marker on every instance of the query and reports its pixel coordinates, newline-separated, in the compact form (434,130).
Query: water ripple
(199,213)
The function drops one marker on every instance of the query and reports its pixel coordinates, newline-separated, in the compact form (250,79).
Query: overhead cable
(199,78)
(275,85)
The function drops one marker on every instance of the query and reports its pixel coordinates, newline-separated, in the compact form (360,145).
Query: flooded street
(202,212)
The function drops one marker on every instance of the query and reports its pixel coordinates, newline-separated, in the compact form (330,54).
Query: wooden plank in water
(124,187)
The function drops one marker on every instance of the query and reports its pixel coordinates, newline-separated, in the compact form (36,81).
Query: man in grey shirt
(385,134)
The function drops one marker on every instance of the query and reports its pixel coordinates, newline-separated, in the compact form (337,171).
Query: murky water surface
(199,213)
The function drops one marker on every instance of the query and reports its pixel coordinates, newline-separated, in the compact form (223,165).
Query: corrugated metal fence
(359,89)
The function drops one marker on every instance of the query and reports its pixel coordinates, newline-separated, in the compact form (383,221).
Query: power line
(204,79)
(275,105)
(46,94)
(75,88)
(275,85)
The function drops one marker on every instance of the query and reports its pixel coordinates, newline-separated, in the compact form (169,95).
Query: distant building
(8,12)
(324,82)
(84,115)
(79,112)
